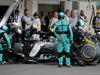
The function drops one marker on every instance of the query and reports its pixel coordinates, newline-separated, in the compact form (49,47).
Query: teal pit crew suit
(61,30)
(4,34)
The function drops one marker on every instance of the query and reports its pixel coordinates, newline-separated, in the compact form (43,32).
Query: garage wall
(5,2)
(46,8)
(48,5)
(32,5)
(52,2)
(68,5)
(21,8)
(83,5)
(8,3)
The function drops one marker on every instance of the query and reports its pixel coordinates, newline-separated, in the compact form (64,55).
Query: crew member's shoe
(2,63)
(69,65)
(60,65)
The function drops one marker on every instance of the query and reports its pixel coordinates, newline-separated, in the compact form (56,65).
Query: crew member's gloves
(9,49)
(71,41)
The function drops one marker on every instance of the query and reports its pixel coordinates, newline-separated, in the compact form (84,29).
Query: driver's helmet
(4,27)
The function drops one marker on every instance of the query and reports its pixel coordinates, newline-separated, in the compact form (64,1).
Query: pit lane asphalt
(47,69)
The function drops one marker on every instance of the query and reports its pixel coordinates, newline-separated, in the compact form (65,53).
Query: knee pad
(67,55)
(60,54)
